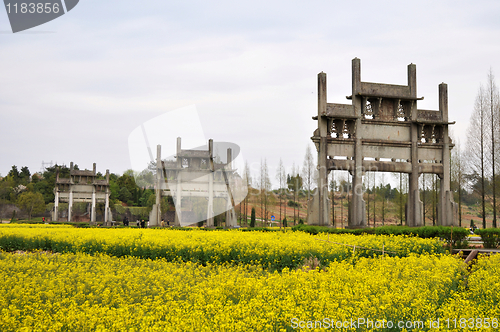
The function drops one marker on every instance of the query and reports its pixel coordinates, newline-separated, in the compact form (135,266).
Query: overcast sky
(75,88)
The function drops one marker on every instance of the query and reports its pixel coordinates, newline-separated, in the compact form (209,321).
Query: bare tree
(424,192)
(476,144)
(493,106)
(374,199)
(457,176)
(308,170)
(333,187)
(383,196)
(262,181)
(248,180)
(344,189)
(367,187)
(281,177)
(295,184)
(402,189)
(267,189)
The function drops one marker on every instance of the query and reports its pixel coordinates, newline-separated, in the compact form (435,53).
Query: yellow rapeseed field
(176,280)
(79,292)
(273,250)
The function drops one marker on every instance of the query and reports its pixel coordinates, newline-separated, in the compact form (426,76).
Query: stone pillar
(321,215)
(413,215)
(70,203)
(357,215)
(107,211)
(106,208)
(92,213)
(445,207)
(155,215)
(210,206)
(178,191)
(55,213)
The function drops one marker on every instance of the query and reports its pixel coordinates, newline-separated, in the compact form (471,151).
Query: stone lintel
(384,166)
(345,111)
(385,91)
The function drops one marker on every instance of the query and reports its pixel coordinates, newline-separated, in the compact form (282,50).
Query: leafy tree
(6,188)
(146,197)
(14,174)
(114,188)
(125,196)
(24,175)
(46,185)
(31,202)
(131,194)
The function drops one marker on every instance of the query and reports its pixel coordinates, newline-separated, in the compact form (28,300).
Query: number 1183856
(32,8)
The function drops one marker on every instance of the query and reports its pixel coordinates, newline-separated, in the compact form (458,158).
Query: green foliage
(31,202)
(47,184)
(14,174)
(148,198)
(490,237)
(294,182)
(292,204)
(252,218)
(128,191)
(6,188)
(125,195)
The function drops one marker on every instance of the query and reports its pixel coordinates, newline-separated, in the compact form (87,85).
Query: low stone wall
(6,211)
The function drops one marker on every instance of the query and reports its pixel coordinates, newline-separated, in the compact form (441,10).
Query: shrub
(490,237)
(252,218)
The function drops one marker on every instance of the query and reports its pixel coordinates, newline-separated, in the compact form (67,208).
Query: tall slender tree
(493,106)
(295,184)
(457,176)
(374,188)
(308,170)
(333,187)
(367,187)
(476,144)
(281,177)
(248,181)
(262,180)
(424,189)
(267,189)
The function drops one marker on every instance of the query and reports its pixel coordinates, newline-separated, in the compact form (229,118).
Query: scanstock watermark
(366,323)
(26,14)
